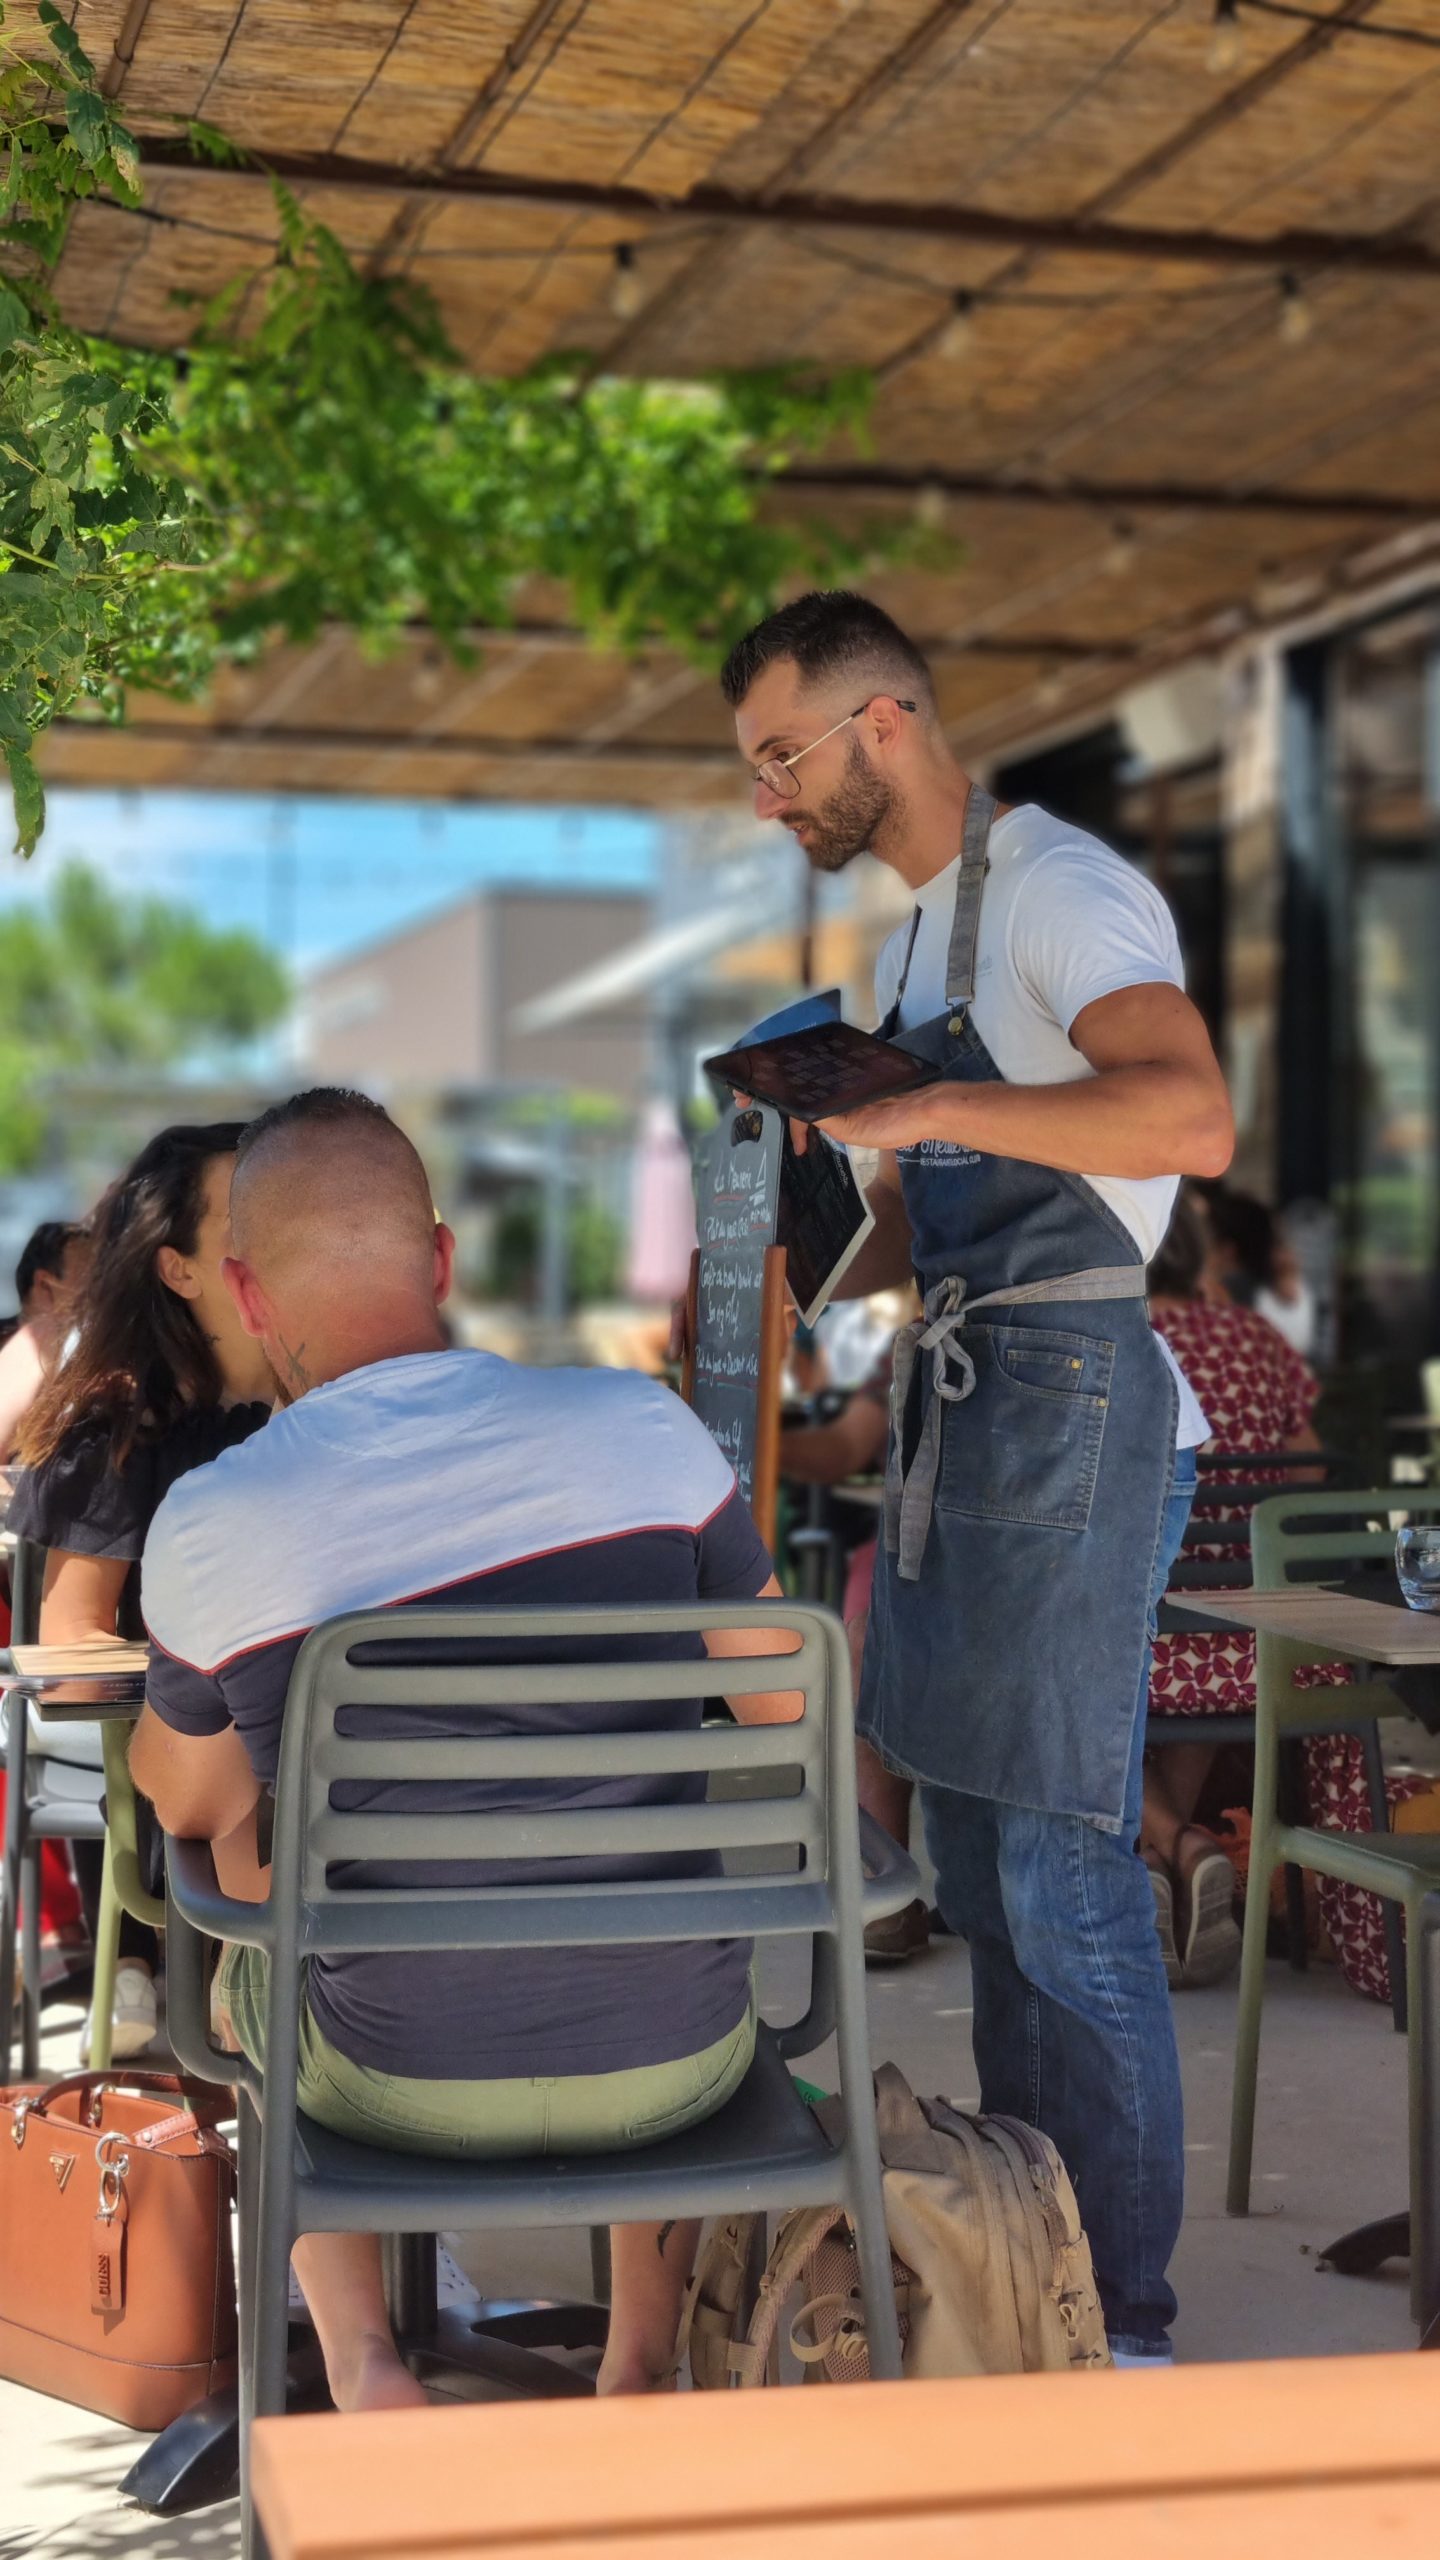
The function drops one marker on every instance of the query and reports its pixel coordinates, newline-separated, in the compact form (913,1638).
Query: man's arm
(201,1785)
(1155,1105)
(827,1452)
(762,1706)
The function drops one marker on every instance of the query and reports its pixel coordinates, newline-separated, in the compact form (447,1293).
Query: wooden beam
(1102,497)
(1296,252)
(368,745)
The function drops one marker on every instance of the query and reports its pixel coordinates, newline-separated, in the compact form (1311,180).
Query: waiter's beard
(849,821)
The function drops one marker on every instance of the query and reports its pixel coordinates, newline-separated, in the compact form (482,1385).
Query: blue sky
(317,877)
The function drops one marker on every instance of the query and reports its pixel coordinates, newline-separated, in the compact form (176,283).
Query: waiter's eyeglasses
(776,773)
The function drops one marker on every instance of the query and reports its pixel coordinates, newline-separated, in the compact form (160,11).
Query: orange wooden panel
(929,2468)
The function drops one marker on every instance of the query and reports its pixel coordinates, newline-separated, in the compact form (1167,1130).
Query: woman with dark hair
(158,1378)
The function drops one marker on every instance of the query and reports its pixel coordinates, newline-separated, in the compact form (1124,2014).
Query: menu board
(737,1321)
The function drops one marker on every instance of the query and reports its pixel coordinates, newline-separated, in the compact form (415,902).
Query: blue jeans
(1072,2023)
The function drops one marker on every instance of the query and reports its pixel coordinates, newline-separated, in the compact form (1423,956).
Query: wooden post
(773,1335)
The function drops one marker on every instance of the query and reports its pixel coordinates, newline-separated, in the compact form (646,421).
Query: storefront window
(1383,700)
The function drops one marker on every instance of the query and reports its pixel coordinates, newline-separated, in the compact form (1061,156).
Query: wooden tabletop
(79,1683)
(1336,2458)
(1363,1630)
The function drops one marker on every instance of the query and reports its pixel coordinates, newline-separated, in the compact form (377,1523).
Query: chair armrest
(891,1876)
(196,1911)
(195,1893)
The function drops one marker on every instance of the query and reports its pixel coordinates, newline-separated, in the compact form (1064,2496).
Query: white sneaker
(135,2017)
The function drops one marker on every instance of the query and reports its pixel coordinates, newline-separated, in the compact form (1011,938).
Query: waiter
(1041,1460)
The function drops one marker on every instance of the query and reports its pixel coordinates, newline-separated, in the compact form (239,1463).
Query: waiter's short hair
(831,633)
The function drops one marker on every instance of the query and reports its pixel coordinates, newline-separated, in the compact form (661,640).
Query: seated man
(405,1471)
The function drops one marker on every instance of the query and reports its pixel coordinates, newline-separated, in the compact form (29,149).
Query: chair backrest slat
(365,1688)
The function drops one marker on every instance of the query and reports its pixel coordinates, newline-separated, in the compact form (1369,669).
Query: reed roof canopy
(1151,293)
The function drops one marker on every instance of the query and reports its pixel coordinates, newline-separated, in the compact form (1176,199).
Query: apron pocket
(1026,1445)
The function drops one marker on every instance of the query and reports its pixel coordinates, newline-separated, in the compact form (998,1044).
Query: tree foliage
(94,980)
(318,454)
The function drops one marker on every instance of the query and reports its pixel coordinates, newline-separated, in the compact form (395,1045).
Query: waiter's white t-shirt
(1063,921)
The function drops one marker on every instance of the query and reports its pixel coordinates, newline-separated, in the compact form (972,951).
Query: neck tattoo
(295,1369)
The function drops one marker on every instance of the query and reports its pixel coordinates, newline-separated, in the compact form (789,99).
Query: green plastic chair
(1340,1533)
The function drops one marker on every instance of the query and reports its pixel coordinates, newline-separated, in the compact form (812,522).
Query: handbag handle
(208,2105)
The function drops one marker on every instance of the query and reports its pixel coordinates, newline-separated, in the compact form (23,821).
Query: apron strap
(965,924)
(969,888)
(910,1491)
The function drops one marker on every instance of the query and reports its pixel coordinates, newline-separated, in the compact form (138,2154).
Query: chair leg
(1247,2034)
(877,2284)
(15,1827)
(31,1960)
(1425,2114)
(107,1956)
(1291,1807)
(1380,1821)
(600,2263)
(247,2222)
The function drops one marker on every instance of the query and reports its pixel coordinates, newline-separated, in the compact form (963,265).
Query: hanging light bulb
(428,678)
(957,336)
(627,293)
(931,506)
(1296,317)
(1121,552)
(1227,43)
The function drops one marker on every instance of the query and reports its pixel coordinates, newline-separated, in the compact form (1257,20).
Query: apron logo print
(62,2163)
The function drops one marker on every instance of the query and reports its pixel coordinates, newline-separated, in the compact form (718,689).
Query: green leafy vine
(317,454)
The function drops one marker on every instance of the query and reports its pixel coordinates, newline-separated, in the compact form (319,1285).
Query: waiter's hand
(799,1129)
(901,1123)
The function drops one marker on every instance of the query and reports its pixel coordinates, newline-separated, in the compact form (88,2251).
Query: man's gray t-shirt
(455,1477)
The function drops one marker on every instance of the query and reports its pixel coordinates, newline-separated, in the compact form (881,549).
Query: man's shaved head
(327,1181)
(338,1259)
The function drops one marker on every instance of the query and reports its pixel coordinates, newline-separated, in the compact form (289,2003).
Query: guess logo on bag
(62,2162)
(107,2232)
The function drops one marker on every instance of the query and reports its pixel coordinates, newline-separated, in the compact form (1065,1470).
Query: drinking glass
(1417,1566)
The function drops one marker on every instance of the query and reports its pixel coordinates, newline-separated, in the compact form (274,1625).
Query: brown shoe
(894,1941)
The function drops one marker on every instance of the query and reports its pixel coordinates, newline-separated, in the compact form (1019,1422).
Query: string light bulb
(1296,317)
(627,293)
(957,336)
(1227,41)
(1120,552)
(931,505)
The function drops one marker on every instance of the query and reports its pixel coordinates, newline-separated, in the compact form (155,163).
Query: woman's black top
(79,1502)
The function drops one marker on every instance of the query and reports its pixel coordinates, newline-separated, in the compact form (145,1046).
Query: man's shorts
(488,2119)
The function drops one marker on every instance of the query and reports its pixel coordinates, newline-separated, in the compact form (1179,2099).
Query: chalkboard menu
(737,1329)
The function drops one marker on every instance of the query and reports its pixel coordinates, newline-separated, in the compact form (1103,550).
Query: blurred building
(433,1007)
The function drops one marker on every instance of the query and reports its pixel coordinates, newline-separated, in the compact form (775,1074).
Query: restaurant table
(1376,1636)
(1338,2458)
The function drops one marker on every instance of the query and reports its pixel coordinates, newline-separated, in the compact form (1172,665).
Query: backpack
(991,2265)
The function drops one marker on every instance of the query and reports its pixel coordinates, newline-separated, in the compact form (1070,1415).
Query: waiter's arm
(1156,1103)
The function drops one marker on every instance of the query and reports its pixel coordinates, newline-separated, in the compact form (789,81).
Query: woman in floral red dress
(1258,1395)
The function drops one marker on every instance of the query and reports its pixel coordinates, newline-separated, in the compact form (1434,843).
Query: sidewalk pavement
(1330,2153)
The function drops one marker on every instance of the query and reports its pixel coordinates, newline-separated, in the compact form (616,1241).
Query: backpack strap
(712,2300)
(796,2242)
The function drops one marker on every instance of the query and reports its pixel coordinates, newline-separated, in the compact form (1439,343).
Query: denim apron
(1032,1446)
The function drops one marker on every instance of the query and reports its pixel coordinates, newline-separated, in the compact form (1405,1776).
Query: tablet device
(820,1072)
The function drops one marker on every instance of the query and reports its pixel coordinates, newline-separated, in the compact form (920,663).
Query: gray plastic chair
(763,2148)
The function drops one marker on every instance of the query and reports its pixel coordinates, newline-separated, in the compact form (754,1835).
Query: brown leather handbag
(117,2285)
